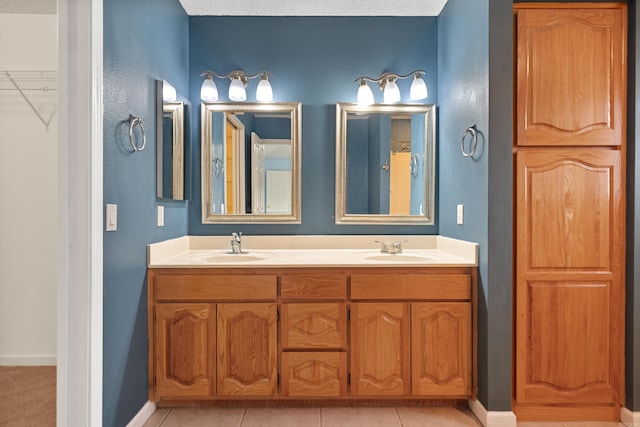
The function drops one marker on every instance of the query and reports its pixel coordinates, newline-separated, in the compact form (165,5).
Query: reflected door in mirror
(251,163)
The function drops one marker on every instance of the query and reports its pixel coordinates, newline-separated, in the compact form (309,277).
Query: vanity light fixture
(237,87)
(387,82)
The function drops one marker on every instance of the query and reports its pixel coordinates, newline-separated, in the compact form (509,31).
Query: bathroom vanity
(312,322)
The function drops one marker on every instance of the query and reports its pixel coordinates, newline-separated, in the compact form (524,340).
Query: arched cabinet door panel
(570,287)
(570,77)
(185,340)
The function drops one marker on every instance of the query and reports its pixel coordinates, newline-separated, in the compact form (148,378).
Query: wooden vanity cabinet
(314,335)
(311,333)
(213,334)
(416,338)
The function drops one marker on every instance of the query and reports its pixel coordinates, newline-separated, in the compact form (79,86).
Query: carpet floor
(27,396)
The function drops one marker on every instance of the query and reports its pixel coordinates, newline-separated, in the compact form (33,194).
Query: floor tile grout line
(399,417)
(244,412)
(165,417)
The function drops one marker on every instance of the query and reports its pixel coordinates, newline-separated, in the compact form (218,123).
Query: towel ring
(218,167)
(474,135)
(133,122)
(413,165)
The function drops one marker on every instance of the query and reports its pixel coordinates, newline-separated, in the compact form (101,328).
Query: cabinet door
(185,350)
(247,349)
(570,277)
(571,76)
(441,348)
(380,349)
(314,326)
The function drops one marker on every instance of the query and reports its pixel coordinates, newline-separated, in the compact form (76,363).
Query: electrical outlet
(460,215)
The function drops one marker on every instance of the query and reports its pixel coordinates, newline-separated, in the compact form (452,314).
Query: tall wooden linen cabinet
(569,150)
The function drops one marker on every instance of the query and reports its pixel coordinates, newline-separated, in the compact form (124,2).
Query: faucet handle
(236,236)
(384,246)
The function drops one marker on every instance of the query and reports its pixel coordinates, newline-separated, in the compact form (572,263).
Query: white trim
(492,418)
(629,419)
(28,360)
(79,344)
(143,415)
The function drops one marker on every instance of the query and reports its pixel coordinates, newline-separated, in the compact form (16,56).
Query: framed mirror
(251,163)
(385,164)
(170,145)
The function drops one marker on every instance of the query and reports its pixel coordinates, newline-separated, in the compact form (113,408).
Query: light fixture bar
(387,82)
(237,88)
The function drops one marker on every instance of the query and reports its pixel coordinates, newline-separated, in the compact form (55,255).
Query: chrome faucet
(390,248)
(236,243)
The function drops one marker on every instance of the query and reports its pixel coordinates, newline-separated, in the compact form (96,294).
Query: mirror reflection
(251,163)
(385,164)
(170,144)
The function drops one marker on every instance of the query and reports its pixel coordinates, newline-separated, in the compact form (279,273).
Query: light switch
(460,215)
(111,220)
(160,216)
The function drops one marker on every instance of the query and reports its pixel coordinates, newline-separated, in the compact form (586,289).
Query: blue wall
(144,40)
(463,70)
(314,60)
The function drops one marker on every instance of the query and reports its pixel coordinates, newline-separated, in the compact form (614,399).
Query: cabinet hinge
(278,378)
(278,314)
(349,379)
(348,314)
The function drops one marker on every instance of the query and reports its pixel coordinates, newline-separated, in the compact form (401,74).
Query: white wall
(28,194)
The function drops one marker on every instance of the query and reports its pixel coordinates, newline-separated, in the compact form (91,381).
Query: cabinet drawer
(314,326)
(410,286)
(314,374)
(314,286)
(216,287)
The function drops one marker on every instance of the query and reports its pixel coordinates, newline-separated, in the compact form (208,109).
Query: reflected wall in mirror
(385,162)
(251,163)
(170,145)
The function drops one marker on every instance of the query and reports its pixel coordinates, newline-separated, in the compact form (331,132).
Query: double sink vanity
(341,319)
(336,319)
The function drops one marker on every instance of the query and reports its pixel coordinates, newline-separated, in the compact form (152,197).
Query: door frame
(80,180)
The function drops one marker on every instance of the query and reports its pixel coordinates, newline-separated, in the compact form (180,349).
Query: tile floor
(331,417)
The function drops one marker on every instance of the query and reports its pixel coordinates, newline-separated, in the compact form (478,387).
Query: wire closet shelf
(30,84)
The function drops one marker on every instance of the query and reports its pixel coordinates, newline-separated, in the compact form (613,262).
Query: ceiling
(313,7)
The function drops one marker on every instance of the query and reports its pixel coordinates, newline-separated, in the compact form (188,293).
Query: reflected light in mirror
(168,92)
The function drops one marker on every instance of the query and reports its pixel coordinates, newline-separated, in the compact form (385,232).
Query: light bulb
(391,92)
(365,96)
(237,91)
(209,91)
(418,88)
(264,92)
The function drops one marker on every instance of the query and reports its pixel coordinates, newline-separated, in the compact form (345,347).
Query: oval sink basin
(398,258)
(234,258)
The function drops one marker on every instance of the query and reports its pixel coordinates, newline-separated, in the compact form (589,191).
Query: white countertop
(311,251)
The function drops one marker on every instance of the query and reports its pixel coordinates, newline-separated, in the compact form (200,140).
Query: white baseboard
(27,360)
(143,415)
(492,418)
(629,419)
